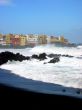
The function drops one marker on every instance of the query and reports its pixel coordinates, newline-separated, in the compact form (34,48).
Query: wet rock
(3,60)
(5,56)
(45,62)
(35,56)
(42,56)
(70,56)
(54,60)
(79,57)
(54,55)
(27,58)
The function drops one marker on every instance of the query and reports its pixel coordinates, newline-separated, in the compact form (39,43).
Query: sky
(51,17)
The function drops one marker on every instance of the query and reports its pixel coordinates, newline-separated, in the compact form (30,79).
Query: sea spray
(67,72)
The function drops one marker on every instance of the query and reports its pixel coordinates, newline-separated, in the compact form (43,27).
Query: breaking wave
(67,72)
(57,50)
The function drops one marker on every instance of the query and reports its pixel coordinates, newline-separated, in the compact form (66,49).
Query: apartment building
(42,39)
(54,39)
(23,40)
(15,41)
(32,40)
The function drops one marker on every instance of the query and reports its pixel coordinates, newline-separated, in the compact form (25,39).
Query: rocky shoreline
(9,56)
(49,100)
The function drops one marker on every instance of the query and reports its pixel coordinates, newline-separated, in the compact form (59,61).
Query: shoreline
(31,46)
(15,47)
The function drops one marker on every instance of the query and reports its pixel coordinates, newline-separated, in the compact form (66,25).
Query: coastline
(14,47)
(57,44)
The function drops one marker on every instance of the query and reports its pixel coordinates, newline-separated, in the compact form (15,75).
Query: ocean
(67,72)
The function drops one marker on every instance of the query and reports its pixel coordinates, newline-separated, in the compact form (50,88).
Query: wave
(79,46)
(49,48)
(56,50)
(67,72)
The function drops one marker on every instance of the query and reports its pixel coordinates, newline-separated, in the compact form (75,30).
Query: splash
(56,50)
(67,72)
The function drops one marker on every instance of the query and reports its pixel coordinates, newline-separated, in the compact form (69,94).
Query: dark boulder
(5,56)
(27,58)
(54,60)
(54,55)
(45,63)
(70,56)
(79,57)
(35,56)
(42,56)
(3,60)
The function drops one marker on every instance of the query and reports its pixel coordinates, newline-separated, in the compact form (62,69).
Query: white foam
(67,72)
(57,50)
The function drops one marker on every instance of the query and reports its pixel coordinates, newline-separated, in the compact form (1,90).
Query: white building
(2,41)
(48,39)
(32,39)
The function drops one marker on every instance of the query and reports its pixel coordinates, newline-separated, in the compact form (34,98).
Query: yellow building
(8,38)
(63,40)
(54,39)
(1,36)
(23,40)
(42,39)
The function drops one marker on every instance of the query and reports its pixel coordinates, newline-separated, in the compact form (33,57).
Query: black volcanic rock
(67,56)
(35,56)
(5,56)
(79,57)
(42,56)
(3,60)
(27,58)
(54,55)
(54,60)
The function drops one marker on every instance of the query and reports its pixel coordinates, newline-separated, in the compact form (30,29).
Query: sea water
(66,72)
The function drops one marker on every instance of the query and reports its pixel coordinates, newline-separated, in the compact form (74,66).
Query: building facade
(54,39)
(63,40)
(32,40)
(42,39)
(23,40)
(15,41)
(8,39)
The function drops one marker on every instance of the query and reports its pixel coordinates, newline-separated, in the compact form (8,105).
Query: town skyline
(16,40)
(50,17)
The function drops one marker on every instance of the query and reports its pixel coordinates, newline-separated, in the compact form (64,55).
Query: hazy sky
(52,17)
